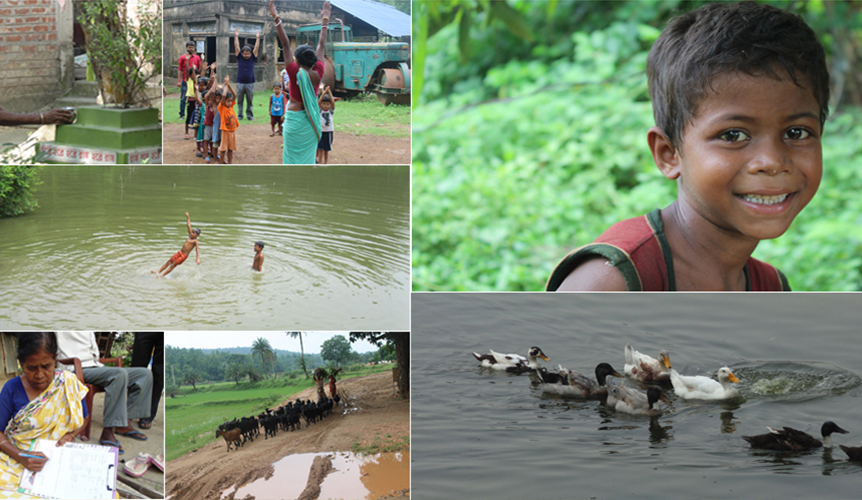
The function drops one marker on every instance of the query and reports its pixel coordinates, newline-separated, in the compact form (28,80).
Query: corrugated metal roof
(384,17)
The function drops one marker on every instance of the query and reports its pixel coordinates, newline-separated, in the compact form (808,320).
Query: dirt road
(376,414)
(256,147)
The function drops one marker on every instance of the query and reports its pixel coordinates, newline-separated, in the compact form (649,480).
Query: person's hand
(34,464)
(199,262)
(326,10)
(67,438)
(187,214)
(59,116)
(272,10)
(179,83)
(236,31)
(226,80)
(214,64)
(258,34)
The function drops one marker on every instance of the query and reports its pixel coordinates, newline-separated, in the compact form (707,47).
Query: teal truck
(354,67)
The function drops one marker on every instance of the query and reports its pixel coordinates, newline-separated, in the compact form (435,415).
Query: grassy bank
(193,415)
(359,116)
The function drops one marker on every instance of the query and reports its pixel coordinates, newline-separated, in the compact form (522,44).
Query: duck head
(603,370)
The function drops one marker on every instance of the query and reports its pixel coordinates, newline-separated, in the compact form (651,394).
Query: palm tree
(301,350)
(262,350)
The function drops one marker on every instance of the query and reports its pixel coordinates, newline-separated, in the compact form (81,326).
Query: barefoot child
(229,123)
(257,265)
(276,109)
(327,126)
(183,252)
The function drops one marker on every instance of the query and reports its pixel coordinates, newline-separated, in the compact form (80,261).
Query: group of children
(210,114)
(326,103)
(192,243)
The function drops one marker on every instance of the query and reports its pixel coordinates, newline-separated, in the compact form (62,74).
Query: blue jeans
(244,89)
(183,91)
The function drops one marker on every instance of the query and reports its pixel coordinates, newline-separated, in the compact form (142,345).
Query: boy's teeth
(764,200)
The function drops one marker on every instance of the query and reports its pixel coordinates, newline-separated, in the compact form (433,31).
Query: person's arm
(320,98)
(324,28)
(198,96)
(229,86)
(198,252)
(181,70)
(189,223)
(212,77)
(594,275)
(271,98)
(331,97)
(51,117)
(282,36)
(256,44)
(236,42)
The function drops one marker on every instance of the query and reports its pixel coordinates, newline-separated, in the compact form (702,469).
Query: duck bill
(666,362)
(664,398)
(544,357)
(733,378)
(840,430)
(616,374)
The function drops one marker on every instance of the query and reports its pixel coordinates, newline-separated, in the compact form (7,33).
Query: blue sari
(302,128)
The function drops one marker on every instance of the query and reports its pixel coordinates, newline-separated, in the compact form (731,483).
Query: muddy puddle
(352,477)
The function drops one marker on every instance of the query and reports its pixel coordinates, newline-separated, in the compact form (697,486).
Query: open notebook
(73,471)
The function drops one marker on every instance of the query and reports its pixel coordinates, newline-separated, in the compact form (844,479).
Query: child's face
(750,160)
(229,102)
(325,105)
(257,248)
(277,90)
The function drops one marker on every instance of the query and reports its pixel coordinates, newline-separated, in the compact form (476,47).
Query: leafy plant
(124,56)
(17,184)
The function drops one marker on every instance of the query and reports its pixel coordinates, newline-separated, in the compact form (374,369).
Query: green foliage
(335,350)
(124,56)
(17,184)
(531,150)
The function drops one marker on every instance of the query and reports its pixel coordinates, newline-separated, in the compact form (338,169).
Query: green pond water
(336,256)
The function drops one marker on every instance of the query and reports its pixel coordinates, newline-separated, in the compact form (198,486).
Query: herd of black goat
(287,417)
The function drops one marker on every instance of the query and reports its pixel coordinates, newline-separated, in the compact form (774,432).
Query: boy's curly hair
(746,37)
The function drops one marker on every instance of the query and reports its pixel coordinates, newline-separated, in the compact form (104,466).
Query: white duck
(512,362)
(568,382)
(634,402)
(698,387)
(646,368)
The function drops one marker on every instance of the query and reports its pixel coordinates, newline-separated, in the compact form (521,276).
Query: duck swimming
(646,368)
(571,383)
(789,439)
(514,363)
(633,401)
(699,387)
(854,453)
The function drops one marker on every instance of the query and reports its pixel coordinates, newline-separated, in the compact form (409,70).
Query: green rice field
(193,415)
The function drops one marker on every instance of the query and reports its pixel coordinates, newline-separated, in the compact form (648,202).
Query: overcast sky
(278,340)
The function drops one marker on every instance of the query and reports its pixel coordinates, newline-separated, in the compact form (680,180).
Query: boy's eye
(734,136)
(797,133)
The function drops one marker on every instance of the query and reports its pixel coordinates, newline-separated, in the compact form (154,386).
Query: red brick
(31,19)
(28,48)
(52,36)
(22,12)
(13,38)
(5,12)
(38,10)
(22,29)
(31,2)
(41,28)
(52,47)
(3,48)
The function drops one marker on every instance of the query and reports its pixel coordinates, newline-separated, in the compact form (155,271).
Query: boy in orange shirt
(229,123)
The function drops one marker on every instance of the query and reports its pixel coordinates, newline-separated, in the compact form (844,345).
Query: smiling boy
(740,94)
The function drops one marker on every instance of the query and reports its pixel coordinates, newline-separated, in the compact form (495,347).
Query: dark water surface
(488,435)
(337,249)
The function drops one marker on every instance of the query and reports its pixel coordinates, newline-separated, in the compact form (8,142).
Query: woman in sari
(42,403)
(305,69)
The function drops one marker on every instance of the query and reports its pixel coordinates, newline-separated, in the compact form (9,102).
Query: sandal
(115,444)
(146,424)
(159,461)
(132,434)
(187,136)
(138,466)
(271,134)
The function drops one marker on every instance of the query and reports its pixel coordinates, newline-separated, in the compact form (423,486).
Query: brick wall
(35,53)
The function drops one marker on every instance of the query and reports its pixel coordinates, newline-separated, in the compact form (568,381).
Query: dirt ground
(207,472)
(256,147)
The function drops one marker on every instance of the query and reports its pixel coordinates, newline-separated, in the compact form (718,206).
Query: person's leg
(250,109)
(162,268)
(173,266)
(325,157)
(115,382)
(183,89)
(150,345)
(240,93)
(230,156)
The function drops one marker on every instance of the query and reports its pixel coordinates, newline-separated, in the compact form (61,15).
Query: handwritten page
(73,471)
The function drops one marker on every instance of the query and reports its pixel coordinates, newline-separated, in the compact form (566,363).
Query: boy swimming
(183,253)
(257,264)
(740,95)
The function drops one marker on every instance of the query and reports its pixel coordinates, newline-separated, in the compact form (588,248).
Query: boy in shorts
(740,95)
(183,252)
(327,125)
(229,123)
(277,105)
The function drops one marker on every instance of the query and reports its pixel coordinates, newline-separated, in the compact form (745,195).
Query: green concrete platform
(107,135)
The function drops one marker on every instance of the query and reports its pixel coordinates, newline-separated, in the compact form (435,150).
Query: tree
(191,377)
(301,350)
(336,350)
(262,351)
(17,183)
(234,371)
(401,341)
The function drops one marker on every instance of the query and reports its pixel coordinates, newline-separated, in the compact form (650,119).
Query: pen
(31,456)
